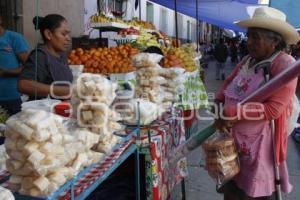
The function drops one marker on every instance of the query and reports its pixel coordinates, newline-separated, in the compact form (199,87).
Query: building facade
(19,15)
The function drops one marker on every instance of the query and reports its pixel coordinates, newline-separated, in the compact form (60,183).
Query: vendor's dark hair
(154,49)
(51,22)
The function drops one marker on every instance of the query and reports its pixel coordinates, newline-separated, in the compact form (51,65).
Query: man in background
(221,54)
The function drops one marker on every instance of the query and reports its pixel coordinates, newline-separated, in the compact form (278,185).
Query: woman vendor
(46,71)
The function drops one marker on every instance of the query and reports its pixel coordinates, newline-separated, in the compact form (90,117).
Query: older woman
(267,35)
(48,64)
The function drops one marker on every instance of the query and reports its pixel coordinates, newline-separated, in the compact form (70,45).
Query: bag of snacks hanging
(222,161)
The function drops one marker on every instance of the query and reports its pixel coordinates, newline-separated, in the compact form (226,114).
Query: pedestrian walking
(221,54)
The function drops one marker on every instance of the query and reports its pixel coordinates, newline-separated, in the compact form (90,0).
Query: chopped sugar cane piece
(79,161)
(47,148)
(104,148)
(30,147)
(76,146)
(52,187)
(90,87)
(25,170)
(10,144)
(17,155)
(10,123)
(114,125)
(35,192)
(41,183)
(36,118)
(9,133)
(36,157)
(106,138)
(87,137)
(87,115)
(23,129)
(58,178)
(27,182)
(16,164)
(15,179)
(59,150)
(43,124)
(9,166)
(68,172)
(56,139)
(96,156)
(21,142)
(50,161)
(68,139)
(41,135)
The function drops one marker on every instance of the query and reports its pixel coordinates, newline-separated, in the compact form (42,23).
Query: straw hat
(271,19)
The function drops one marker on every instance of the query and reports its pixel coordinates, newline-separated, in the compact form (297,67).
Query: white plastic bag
(148,112)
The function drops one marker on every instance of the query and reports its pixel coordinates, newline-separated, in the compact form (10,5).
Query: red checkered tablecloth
(99,170)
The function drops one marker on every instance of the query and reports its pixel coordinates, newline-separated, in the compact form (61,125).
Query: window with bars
(11,12)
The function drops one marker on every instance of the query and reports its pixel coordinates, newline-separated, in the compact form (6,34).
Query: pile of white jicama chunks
(92,97)
(43,154)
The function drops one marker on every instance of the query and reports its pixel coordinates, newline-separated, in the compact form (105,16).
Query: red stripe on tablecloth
(97,171)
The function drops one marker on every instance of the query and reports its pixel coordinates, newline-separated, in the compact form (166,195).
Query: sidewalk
(199,186)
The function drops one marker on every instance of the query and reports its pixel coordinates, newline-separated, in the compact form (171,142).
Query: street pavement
(198,185)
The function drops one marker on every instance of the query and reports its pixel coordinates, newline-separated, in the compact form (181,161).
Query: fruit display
(43,154)
(104,60)
(179,57)
(145,40)
(171,60)
(141,24)
(129,31)
(101,18)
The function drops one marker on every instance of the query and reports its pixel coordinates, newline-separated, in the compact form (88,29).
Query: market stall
(50,159)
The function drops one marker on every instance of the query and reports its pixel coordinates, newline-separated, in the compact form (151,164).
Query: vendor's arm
(21,49)
(15,72)
(274,106)
(34,88)
(36,79)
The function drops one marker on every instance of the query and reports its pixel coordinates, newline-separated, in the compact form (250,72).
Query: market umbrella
(222,13)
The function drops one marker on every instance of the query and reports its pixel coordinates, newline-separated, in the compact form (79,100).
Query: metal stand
(137,159)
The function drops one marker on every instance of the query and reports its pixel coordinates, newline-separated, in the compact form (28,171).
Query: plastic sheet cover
(222,13)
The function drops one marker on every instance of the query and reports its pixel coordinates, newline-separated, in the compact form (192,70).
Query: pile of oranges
(172,60)
(104,60)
